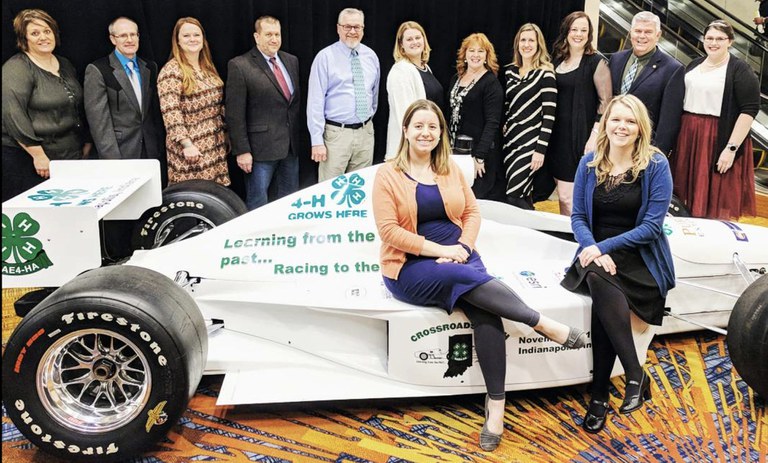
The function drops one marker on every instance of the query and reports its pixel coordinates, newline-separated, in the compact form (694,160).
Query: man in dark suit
(121,99)
(654,77)
(263,107)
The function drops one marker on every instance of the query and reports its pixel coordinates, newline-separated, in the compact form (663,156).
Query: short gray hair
(351,11)
(646,17)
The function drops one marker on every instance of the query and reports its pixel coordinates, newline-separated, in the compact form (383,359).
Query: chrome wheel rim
(180,227)
(93,381)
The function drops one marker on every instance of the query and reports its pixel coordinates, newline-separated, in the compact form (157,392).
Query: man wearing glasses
(342,99)
(121,99)
(653,76)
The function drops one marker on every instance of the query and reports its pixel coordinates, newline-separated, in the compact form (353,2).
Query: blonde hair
(188,83)
(643,150)
(541,57)
(440,159)
(491,62)
(399,52)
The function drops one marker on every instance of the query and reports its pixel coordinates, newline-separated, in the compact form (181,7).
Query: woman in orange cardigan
(428,221)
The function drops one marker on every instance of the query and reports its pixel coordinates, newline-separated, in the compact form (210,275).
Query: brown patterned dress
(199,117)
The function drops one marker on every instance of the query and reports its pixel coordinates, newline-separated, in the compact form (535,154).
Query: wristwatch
(732,147)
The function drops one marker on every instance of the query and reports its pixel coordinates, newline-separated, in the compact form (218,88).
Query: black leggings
(611,335)
(485,306)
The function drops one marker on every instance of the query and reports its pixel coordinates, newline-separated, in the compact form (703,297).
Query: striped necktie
(361,99)
(629,78)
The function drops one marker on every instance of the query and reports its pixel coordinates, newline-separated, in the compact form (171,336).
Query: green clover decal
(22,252)
(57,194)
(350,190)
(460,352)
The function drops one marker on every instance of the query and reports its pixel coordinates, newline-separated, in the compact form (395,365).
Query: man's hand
(319,153)
(245,162)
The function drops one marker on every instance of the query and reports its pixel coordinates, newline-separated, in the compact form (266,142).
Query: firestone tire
(748,336)
(189,208)
(105,366)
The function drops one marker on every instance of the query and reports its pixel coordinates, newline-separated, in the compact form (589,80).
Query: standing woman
(409,79)
(621,195)
(713,170)
(192,102)
(530,100)
(43,115)
(583,91)
(477,101)
(428,221)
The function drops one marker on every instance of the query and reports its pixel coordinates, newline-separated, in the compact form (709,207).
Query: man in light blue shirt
(342,99)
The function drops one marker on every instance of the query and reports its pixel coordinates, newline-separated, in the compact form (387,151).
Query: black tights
(611,335)
(485,306)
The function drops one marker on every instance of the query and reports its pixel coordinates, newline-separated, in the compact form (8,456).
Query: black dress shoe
(636,393)
(594,420)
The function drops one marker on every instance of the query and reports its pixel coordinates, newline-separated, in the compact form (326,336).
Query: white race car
(287,302)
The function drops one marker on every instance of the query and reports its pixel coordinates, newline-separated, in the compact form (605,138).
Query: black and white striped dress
(529,115)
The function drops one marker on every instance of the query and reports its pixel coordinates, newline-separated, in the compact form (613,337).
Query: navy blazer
(661,86)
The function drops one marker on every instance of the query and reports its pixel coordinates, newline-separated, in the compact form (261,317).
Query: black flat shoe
(635,394)
(594,420)
(488,440)
(577,338)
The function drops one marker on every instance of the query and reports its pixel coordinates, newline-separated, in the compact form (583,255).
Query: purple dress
(422,281)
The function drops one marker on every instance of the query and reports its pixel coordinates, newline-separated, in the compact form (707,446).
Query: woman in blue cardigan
(621,195)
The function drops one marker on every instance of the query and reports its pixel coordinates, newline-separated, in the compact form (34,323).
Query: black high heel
(594,422)
(634,399)
(488,440)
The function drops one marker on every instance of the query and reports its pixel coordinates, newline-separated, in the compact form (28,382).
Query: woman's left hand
(589,254)
(725,161)
(537,160)
(479,167)
(606,263)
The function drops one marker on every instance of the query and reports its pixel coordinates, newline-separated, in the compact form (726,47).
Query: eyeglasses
(349,27)
(124,37)
(715,39)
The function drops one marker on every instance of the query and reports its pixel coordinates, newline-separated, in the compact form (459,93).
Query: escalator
(682,23)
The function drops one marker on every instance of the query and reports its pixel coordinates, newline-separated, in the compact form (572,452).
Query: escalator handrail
(733,20)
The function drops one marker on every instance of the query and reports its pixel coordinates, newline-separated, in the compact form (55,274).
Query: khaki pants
(348,150)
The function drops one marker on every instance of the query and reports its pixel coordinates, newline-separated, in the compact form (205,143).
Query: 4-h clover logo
(460,352)
(22,252)
(350,190)
(57,194)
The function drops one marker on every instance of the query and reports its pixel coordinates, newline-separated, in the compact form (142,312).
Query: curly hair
(491,62)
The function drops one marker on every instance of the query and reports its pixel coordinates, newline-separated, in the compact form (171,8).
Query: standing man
(343,96)
(120,99)
(654,77)
(263,107)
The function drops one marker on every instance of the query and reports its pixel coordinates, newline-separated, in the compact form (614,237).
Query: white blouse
(704,90)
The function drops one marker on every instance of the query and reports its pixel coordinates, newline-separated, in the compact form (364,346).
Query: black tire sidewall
(747,338)
(37,333)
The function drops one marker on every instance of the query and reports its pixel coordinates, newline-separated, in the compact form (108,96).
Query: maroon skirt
(706,192)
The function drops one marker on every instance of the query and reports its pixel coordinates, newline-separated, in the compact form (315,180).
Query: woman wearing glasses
(192,102)
(43,116)
(713,167)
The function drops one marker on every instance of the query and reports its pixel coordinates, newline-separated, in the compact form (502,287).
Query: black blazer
(260,119)
(118,127)
(661,87)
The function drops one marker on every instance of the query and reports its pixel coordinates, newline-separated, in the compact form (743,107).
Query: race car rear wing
(51,232)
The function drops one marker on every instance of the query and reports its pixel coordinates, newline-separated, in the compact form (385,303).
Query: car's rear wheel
(102,368)
(747,338)
(189,209)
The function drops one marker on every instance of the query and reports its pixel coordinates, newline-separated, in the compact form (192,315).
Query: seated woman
(428,221)
(621,195)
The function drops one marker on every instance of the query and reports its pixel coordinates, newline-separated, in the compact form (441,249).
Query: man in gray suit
(121,99)
(263,107)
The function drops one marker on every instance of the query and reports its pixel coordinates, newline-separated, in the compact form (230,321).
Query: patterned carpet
(701,412)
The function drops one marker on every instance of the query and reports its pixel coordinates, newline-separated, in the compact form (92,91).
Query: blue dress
(422,281)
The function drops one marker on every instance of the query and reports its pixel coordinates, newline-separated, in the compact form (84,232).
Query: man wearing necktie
(121,102)
(342,99)
(262,110)
(653,76)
